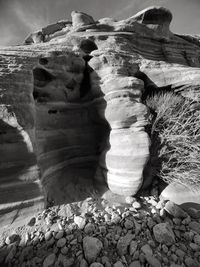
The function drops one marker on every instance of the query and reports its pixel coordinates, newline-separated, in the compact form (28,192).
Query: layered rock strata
(71,103)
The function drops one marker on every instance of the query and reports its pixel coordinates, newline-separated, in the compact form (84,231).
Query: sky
(18,18)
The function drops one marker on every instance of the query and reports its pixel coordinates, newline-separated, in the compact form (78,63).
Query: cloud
(30,16)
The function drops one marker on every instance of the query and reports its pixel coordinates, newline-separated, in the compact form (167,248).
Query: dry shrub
(175,135)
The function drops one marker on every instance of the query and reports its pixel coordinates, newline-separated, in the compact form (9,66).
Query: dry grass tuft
(175,135)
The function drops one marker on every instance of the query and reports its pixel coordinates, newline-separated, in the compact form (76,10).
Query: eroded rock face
(71,103)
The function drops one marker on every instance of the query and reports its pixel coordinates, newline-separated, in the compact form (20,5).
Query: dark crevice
(52,111)
(42,77)
(86,83)
(154,164)
(43,61)
(88,46)
(150,88)
(40,96)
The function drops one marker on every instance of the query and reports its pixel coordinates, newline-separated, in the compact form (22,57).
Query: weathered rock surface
(71,108)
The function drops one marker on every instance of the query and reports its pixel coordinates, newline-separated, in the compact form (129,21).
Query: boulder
(81,19)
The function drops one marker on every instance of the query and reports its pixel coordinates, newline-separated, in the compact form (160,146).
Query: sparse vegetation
(175,135)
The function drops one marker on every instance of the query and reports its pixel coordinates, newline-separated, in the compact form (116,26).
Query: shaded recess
(69,134)
(87,46)
(154,164)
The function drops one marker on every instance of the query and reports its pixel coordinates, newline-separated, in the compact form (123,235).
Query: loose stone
(49,260)
(136,205)
(152,260)
(128,224)
(195,226)
(175,210)
(129,200)
(164,234)
(80,221)
(133,247)
(96,264)
(118,264)
(135,264)
(146,249)
(123,243)
(89,228)
(59,235)
(92,247)
(61,242)
(48,235)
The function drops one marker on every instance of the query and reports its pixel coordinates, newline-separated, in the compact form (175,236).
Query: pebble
(189,262)
(64,250)
(50,242)
(135,264)
(128,224)
(197,239)
(61,242)
(194,213)
(92,246)
(49,260)
(83,263)
(96,264)
(180,253)
(175,210)
(115,218)
(194,246)
(146,249)
(102,229)
(195,226)
(136,205)
(150,223)
(89,228)
(129,200)
(138,227)
(118,264)
(123,243)
(107,217)
(164,234)
(133,247)
(80,221)
(59,235)
(48,235)
(164,248)
(152,261)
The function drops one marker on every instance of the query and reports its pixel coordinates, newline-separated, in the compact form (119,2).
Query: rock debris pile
(143,232)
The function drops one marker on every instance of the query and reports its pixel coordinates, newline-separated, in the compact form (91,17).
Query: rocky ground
(145,231)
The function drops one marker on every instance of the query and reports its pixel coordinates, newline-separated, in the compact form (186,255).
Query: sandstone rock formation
(71,104)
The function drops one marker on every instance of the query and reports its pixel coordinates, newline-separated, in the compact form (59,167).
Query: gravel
(130,235)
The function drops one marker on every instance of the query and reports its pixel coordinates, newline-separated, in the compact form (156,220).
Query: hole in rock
(40,96)
(52,111)
(43,61)
(42,77)
(88,46)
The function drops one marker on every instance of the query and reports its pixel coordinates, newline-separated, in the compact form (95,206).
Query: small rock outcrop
(71,105)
